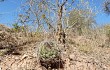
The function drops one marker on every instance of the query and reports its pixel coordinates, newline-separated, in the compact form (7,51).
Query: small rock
(71,56)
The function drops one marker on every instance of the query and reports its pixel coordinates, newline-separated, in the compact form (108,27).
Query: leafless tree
(46,13)
(107,6)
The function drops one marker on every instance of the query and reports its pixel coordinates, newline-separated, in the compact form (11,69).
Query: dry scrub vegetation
(51,36)
(85,52)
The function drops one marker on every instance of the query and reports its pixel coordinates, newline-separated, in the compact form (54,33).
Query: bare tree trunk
(60,31)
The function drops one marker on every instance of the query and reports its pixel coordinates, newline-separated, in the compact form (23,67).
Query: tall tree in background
(50,15)
(81,18)
(107,6)
(47,14)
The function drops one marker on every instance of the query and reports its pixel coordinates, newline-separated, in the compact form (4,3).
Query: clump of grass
(86,49)
(3,52)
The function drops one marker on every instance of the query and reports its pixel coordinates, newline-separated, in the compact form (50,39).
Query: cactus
(47,51)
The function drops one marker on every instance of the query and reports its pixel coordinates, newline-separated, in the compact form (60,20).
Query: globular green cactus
(48,51)
(49,55)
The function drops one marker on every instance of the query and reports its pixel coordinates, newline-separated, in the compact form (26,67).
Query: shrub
(16,27)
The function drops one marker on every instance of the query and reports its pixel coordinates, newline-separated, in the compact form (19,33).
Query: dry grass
(86,49)
(92,44)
